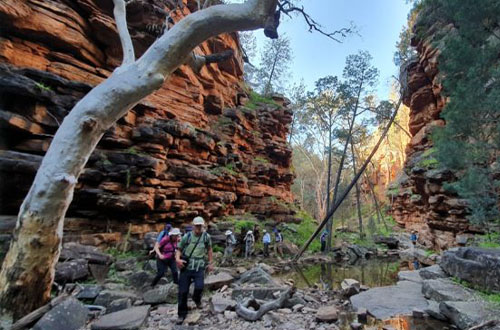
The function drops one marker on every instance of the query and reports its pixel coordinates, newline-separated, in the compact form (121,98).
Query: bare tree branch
(120,13)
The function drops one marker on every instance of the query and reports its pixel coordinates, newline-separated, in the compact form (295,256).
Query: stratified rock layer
(191,148)
(419,200)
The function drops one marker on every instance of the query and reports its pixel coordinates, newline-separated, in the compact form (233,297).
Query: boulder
(327,314)
(70,271)
(410,275)
(220,304)
(421,255)
(471,264)
(391,242)
(432,272)
(256,276)
(445,290)
(119,304)
(214,282)
(161,294)
(350,287)
(126,264)
(105,297)
(466,314)
(404,298)
(89,291)
(93,255)
(127,319)
(434,311)
(150,240)
(68,315)
(140,279)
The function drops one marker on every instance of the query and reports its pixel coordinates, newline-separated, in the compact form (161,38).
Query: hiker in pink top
(165,256)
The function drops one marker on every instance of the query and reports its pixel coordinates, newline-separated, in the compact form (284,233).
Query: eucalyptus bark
(29,266)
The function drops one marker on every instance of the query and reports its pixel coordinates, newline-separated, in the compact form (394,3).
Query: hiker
(256,232)
(249,241)
(323,239)
(166,229)
(193,256)
(266,240)
(413,237)
(165,256)
(228,251)
(278,237)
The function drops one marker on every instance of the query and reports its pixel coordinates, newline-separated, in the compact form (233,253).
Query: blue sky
(379,23)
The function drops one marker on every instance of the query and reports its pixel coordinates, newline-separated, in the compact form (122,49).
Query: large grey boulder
(127,319)
(89,291)
(256,276)
(126,264)
(434,311)
(139,279)
(161,294)
(410,275)
(119,304)
(466,314)
(105,297)
(389,301)
(432,272)
(71,271)
(217,281)
(481,267)
(68,315)
(445,290)
(93,255)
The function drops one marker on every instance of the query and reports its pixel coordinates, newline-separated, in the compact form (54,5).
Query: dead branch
(198,61)
(287,7)
(250,315)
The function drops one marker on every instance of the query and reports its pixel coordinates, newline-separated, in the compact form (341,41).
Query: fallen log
(32,317)
(243,310)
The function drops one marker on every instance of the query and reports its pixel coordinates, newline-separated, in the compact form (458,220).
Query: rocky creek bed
(98,292)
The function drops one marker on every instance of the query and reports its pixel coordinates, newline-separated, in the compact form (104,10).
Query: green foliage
(218,248)
(229,168)
(491,240)
(491,297)
(244,225)
(428,163)
(134,151)
(303,230)
(469,141)
(43,87)
(119,254)
(260,159)
(256,99)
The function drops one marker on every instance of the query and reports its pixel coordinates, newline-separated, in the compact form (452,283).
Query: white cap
(265,231)
(198,221)
(249,232)
(228,232)
(174,231)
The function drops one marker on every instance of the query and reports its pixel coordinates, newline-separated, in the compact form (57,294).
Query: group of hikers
(189,255)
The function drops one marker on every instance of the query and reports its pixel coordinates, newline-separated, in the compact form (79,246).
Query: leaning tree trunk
(329,175)
(358,194)
(28,269)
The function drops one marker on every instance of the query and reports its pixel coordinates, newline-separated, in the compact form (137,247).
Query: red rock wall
(188,149)
(420,202)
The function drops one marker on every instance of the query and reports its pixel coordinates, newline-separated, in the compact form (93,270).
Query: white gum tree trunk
(28,269)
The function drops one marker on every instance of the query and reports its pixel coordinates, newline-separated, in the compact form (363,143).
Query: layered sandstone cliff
(189,149)
(419,198)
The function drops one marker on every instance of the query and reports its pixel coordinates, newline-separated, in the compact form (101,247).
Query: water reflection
(327,276)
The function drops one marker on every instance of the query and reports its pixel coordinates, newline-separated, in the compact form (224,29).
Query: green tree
(469,142)
(274,65)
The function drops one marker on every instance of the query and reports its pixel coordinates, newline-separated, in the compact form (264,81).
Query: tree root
(253,315)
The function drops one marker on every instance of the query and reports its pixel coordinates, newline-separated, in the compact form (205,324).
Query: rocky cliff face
(189,149)
(420,201)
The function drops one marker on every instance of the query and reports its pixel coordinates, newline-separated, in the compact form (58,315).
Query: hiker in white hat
(165,252)
(228,251)
(193,257)
(249,241)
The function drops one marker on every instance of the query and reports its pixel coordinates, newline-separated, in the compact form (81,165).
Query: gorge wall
(419,198)
(191,148)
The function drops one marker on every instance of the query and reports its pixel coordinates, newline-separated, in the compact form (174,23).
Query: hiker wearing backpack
(193,256)
(279,242)
(266,240)
(165,256)
(164,232)
(228,251)
(249,241)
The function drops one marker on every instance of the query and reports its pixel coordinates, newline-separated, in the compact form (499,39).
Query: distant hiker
(266,240)
(249,241)
(256,232)
(228,251)
(192,257)
(278,237)
(165,256)
(416,264)
(323,238)
(413,237)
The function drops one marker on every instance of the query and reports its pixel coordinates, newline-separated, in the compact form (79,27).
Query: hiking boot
(180,320)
